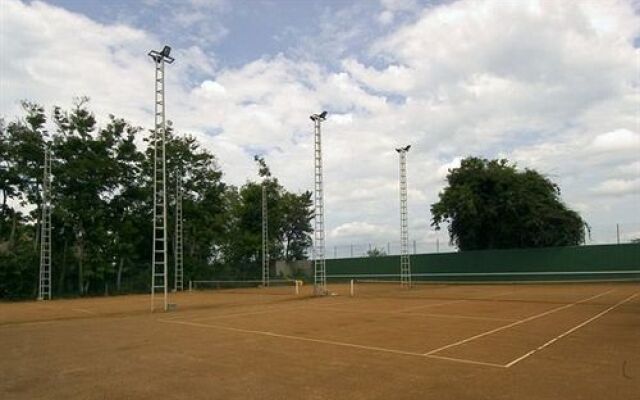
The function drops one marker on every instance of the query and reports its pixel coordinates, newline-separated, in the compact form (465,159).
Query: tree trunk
(4,204)
(14,226)
(81,267)
(287,253)
(63,270)
(119,275)
(36,237)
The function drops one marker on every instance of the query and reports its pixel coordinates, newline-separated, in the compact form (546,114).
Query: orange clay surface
(555,341)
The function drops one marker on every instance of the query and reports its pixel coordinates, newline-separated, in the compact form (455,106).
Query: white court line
(29,323)
(455,301)
(329,342)
(269,310)
(575,328)
(522,321)
(82,310)
(418,314)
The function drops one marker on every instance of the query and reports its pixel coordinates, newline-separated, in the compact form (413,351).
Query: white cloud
(443,170)
(350,230)
(632,169)
(618,140)
(551,85)
(618,187)
(385,17)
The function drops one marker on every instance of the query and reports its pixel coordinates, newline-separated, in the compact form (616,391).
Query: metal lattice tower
(44,287)
(319,268)
(178,246)
(159,273)
(405,263)
(265,237)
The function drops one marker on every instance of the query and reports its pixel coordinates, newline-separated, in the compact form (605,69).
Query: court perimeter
(554,341)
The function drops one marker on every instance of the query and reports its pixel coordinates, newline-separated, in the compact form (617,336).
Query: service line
(570,331)
(511,325)
(453,316)
(453,302)
(329,342)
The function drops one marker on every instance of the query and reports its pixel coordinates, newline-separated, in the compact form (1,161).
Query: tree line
(102,200)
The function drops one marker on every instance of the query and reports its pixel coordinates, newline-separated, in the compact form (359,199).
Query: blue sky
(238,32)
(550,85)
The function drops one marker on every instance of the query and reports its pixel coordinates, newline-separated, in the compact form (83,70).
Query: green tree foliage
(102,206)
(489,204)
(376,252)
(289,217)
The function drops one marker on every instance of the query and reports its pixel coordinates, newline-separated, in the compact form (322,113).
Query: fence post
(618,233)
(414,247)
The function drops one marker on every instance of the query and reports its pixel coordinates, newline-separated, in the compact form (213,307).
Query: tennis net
(279,286)
(474,286)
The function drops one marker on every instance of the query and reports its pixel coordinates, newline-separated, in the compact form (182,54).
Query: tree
(376,252)
(297,213)
(85,175)
(489,204)
(102,196)
(288,229)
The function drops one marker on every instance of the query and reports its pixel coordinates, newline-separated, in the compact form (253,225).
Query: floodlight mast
(159,261)
(44,286)
(405,262)
(178,285)
(265,236)
(319,268)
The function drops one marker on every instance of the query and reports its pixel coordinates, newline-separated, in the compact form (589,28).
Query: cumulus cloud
(618,140)
(551,85)
(618,187)
(350,230)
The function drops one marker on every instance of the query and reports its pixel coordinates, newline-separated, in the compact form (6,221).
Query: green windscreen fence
(597,262)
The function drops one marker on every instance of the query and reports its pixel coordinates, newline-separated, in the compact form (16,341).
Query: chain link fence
(597,234)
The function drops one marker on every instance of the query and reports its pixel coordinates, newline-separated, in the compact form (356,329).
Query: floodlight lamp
(319,117)
(162,55)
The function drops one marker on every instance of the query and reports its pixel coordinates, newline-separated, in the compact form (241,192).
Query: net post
(297,287)
(351,291)
(190,285)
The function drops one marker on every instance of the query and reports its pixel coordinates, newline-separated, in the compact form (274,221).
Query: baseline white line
(575,328)
(522,321)
(329,342)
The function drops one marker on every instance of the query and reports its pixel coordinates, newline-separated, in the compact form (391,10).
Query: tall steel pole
(159,266)
(44,286)
(265,237)
(319,268)
(405,263)
(178,247)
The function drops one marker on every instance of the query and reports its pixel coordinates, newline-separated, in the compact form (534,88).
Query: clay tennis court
(534,341)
